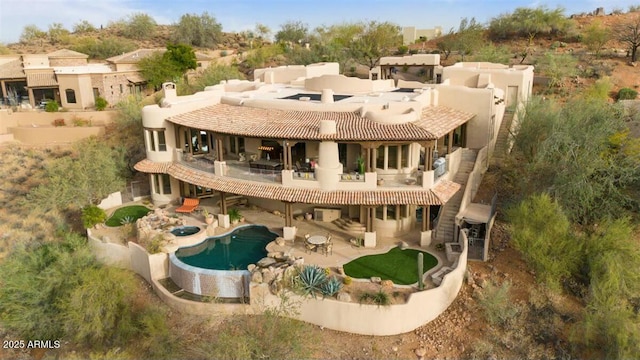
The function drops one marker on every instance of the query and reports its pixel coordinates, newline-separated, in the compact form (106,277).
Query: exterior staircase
(446,222)
(349,225)
(502,141)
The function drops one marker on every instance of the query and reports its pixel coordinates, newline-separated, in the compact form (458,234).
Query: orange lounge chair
(188,205)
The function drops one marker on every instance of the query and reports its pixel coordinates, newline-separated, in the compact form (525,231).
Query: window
(96,92)
(391,212)
(342,154)
(166,183)
(380,212)
(380,157)
(161,184)
(404,156)
(157,140)
(71,96)
(236,145)
(392,157)
(121,89)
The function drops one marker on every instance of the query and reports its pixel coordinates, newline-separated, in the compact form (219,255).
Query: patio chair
(188,205)
(308,248)
(328,248)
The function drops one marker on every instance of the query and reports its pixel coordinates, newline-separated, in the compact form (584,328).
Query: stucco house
(307,140)
(410,34)
(65,76)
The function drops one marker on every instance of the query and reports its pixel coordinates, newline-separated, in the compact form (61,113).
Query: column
(425,233)
(4,89)
(450,142)
(223,217)
(329,168)
(288,231)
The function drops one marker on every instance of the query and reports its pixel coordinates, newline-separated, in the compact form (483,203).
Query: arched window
(71,96)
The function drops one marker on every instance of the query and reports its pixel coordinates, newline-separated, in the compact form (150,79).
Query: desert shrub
(379,298)
(58,122)
(138,26)
(101,103)
(197,30)
(599,90)
(223,53)
(540,230)
(403,49)
(92,215)
(496,304)
(103,48)
(52,106)
(627,94)
(347,280)
(83,26)
(78,121)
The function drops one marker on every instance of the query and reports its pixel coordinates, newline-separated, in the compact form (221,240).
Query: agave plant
(127,220)
(331,286)
(310,279)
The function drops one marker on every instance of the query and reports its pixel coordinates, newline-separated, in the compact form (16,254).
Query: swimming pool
(218,265)
(185,230)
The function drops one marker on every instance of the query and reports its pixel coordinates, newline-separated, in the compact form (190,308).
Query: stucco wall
(10,119)
(109,253)
(476,101)
(54,135)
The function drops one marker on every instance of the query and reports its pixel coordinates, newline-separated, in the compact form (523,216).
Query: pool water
(233,251)
(185,230)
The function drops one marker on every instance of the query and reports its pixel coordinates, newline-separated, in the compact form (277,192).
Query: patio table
(317,239)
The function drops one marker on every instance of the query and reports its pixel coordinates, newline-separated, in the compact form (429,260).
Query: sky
(239,15)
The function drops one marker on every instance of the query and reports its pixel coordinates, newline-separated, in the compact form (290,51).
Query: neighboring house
(66,77)
(410,34)
(327,144)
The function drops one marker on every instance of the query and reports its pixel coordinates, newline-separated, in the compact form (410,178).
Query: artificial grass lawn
(399,266)
(133,211)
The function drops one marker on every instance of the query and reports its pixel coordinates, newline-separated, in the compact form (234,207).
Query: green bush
(496,304)
(51,106)
(101,103)
(402,50)
(92,215)
(311,279)
(627,94)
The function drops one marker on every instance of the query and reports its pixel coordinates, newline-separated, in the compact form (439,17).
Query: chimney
(327,96)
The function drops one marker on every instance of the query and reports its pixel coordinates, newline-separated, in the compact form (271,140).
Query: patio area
(343,250)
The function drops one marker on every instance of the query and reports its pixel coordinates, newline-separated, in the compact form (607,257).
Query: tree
(139,26)
(197,30)
(629,33)
(557,67)
(293,32)
(581,154)
(88,176)
(540,231)
(127,134)
(596,36)
(103,48)
(263,31)
(83,27)
(492,53)
(376,40)
(529,23)
(182,56)
(31,33)
(157,69)
(58,34)
(468,38)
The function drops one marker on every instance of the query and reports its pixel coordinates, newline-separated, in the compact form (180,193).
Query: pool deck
(343,250)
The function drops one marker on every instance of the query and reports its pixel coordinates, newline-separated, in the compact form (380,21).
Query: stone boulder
(256,277)
(386,284)
(267,276)
(375,279)
(343,296)
(266,262)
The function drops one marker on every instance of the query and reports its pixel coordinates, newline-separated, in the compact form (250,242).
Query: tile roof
(304,125)
(439,195)
(66,53)
(12,70)
(42,79)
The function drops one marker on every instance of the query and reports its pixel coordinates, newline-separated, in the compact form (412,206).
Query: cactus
(310,279)
(420,268)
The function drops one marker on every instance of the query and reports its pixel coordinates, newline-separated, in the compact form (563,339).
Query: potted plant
(360,164)
(308,216)
(234,216)
(208,218)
